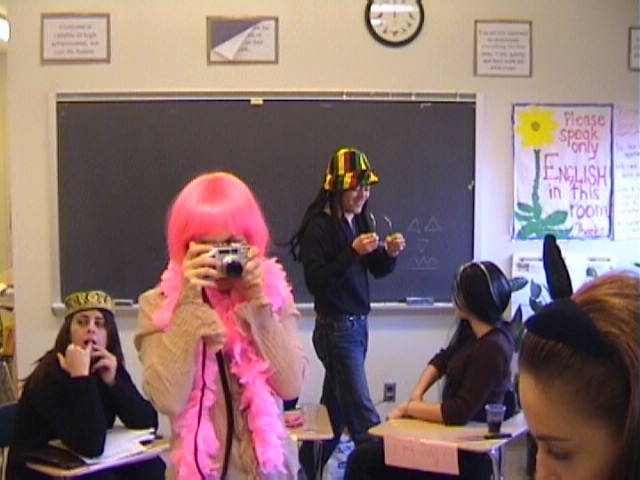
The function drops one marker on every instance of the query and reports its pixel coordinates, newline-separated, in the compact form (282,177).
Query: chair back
(8,414)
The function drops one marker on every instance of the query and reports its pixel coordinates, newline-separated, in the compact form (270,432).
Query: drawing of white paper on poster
(242,40)
(581,268)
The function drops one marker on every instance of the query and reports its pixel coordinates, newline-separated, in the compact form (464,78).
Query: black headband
(563,320)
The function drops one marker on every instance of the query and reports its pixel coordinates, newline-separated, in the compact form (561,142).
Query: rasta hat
(347,169)
(91,300)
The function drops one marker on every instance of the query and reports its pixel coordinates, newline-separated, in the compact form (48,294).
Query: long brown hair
(607,390)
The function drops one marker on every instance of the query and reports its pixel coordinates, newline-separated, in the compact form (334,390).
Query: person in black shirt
(476,366)
(338,250)
(77,390)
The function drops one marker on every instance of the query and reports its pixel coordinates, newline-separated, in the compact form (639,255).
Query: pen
(495,436)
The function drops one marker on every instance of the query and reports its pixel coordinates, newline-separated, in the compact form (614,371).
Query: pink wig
(211,203)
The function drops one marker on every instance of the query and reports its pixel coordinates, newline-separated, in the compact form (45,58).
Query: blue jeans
(341,345)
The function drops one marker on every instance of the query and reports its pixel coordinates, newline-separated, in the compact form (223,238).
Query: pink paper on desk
(421,454)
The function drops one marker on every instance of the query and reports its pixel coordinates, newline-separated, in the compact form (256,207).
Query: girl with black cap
(476,366)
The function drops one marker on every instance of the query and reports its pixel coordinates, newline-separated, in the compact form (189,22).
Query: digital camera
(232,256)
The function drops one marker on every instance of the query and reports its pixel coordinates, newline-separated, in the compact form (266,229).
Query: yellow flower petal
(536,127)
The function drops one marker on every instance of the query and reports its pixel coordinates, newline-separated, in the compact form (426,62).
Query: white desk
(154,449)
(323,431)
(469,438)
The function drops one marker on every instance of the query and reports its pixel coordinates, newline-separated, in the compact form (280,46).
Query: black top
(334,273)
(77,410)
(476,373)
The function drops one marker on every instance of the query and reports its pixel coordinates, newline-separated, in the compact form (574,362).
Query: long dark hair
(63,339)
(324,198)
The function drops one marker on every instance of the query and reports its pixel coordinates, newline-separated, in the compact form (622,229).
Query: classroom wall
(579,55)
(5,218)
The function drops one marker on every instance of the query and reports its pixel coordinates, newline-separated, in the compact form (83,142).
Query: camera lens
(233,268)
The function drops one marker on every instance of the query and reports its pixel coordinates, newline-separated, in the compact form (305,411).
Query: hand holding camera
(224,266)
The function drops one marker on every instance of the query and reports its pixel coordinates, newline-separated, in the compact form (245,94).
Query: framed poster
(502,48)
(75,38)
(242,40)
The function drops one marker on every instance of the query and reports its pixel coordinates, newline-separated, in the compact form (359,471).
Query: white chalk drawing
(423,263)
(423,243)
(433,226)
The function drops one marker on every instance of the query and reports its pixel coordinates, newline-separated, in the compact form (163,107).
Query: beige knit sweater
(168,359)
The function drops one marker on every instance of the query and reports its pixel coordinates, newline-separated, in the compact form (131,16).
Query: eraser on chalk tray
(419,301)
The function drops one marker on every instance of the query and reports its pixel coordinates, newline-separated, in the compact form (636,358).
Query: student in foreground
(476,366)
(77,390)
(580,376)
(218,338)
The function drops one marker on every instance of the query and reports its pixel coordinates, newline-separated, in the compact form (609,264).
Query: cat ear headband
(563,320)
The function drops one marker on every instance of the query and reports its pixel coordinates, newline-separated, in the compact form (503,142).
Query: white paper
(120,442)
(421,454)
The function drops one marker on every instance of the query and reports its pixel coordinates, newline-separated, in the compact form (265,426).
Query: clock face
(394,22)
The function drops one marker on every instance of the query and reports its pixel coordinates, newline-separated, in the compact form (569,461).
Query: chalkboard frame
(318,163)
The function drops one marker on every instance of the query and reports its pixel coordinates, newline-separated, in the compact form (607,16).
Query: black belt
(341,317)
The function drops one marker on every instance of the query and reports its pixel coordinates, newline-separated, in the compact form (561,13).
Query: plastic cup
(309,415)
(495,416)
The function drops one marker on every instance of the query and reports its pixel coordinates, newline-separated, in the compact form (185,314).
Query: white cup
(309,414)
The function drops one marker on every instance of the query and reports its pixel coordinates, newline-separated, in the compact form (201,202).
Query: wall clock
(394,23)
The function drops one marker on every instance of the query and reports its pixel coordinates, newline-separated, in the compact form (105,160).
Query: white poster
(562,171)
(581,269)
(626,171)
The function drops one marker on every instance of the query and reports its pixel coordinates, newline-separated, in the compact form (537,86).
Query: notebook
(120,442)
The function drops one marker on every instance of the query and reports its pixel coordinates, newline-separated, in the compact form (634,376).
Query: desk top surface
(468,437)
(153,450)
(322,430)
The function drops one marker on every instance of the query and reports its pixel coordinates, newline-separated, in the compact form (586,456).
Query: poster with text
(626,172)
(562,171)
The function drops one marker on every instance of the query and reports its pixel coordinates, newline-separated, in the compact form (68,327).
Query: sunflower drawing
(536,128)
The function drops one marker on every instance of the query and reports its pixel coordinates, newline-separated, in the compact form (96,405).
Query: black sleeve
(70,406)
(128,404)
(321,271)
(380,263)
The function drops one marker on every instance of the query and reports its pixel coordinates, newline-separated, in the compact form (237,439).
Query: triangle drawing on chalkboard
(433,225)
(414,226)
(423,244)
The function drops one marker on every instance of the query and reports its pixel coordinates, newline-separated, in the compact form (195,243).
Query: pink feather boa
(257,400)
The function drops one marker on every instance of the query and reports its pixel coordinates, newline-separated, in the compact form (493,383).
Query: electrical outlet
(389,394)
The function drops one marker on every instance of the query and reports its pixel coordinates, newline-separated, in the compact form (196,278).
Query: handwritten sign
(562,170)
(71,38)
(626,161)
(421,454)
(503,48)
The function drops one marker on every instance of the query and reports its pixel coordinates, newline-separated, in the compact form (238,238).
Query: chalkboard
(121,161)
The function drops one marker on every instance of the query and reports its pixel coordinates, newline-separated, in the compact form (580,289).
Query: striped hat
(347,169)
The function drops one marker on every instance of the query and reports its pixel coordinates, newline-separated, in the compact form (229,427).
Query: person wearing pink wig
(219,346)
